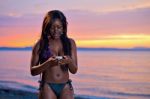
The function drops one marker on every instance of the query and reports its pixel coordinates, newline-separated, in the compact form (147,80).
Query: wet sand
(6,93)
(15,90)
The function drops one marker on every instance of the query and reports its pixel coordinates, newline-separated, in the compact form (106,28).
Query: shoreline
(6,93)
(15,90)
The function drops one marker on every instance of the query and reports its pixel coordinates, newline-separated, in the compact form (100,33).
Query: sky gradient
(97,23)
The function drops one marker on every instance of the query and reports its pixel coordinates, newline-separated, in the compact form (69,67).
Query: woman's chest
(56,49)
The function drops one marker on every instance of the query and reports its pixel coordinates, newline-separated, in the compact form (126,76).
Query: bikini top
(45,55)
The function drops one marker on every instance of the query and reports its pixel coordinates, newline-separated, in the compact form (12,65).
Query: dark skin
(52,67)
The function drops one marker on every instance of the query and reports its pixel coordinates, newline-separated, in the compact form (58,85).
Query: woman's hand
(65,60)
(52,60)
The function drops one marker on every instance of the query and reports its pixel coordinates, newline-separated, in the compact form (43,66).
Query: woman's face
(56,29)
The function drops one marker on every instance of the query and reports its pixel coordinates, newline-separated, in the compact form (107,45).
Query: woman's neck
(54,41)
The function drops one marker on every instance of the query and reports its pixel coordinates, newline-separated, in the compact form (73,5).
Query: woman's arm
(73,64)
(71,61)
(37,68)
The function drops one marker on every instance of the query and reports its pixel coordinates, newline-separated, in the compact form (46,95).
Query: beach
(101,75)
(17,94)
(15,90)
(11,92)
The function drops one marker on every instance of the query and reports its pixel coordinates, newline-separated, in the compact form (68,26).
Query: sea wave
(15,90)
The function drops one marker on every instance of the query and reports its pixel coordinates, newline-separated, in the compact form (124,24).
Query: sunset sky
(91,23)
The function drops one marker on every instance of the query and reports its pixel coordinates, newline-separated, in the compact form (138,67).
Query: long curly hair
(47,22)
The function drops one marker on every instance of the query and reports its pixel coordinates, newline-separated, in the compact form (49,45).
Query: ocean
(110,74)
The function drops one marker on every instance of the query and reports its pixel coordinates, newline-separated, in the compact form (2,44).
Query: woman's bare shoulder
(72,42)
(36,46)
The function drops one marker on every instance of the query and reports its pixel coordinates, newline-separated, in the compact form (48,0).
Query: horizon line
(80,49)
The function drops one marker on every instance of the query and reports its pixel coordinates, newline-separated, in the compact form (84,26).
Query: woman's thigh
(67,92)
(46,93)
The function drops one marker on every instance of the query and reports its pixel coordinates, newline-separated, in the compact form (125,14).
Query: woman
(53,56)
